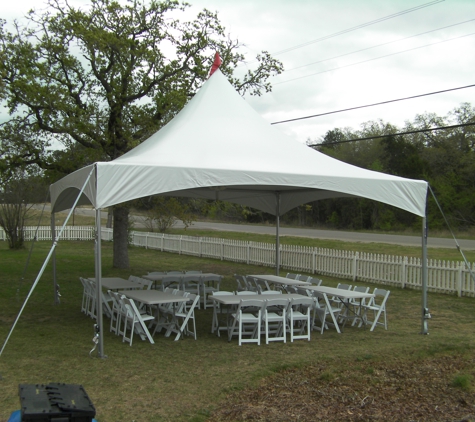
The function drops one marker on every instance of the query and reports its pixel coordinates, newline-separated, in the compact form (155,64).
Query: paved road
(433,242)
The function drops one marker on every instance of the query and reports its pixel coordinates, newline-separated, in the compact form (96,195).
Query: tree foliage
(445,158)
(84,85)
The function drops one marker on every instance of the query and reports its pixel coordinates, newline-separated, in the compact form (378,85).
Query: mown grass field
(186,380)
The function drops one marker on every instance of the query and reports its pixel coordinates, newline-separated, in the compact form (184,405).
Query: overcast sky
(347,53)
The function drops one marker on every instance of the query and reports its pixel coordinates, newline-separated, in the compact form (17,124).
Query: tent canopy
(218,147)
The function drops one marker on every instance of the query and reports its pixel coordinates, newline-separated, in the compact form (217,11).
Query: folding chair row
(126,318)
(271,316)
(89,299)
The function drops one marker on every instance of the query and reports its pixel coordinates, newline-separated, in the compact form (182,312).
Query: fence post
(404,272)
(179,246)
(314,260)
(459,280)
(222,250)
(248,257)
(355,265)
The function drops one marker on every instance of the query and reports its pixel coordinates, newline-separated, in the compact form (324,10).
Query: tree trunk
(120,237)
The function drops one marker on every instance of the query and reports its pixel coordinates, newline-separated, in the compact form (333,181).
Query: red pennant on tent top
(216,64)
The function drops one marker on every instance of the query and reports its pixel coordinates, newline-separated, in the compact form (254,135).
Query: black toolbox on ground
(55,402)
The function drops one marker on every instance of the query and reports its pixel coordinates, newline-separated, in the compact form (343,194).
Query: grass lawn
(186,380)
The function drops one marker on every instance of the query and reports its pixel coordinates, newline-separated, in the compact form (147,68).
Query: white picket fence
(443,276)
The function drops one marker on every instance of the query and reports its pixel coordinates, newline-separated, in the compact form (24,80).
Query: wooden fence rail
(451,277)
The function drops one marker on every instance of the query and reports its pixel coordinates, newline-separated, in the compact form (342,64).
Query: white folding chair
(86,297)
(323,308)
(353,308)
(315,281)
(245,323)
(298,318)
(191,283)
(275,319)
(217,310)
(171,281)
(184,315)
(241,283)
(377,304)
(209,284)
(115,312)
(135,322)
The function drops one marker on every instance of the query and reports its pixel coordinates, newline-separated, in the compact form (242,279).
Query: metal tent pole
(53,261)
(98,268)
(277,237)
(425,309)
(45,263)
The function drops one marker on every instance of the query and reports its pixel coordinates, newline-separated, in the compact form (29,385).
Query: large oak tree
(83,85)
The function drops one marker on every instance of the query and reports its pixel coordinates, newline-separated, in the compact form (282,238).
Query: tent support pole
(53,261)
(425,309)
(277,236)
(98,259)
(38,277)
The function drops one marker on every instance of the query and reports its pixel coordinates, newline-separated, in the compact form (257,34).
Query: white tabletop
(153,297)
(117,283)
(340,293)
(160,277)
(236,299)
(276,279)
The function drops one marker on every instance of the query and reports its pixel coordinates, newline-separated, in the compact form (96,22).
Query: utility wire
(378,45)
(354,28)
(392,134)
(373,59)
(372,105)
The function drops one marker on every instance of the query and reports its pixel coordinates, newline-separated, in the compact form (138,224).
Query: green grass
(185,380)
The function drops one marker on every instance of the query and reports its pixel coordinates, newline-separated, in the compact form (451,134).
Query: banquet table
(117,283)
(344,296)
(233,300)
(282,281)
(159,277)
(154,298)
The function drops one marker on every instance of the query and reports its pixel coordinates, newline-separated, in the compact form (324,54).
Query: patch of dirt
(365,391)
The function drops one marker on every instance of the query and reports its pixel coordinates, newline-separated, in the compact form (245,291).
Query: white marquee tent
(218,147)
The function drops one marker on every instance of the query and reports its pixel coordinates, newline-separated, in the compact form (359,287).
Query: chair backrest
(256,304)
(292,276)
(157,272)
(247,292)
(303,278)
(315,281)
(303,291)
(146,284)
(171,279)
(290,289)
(361,289)
(381,296)
(241,283)
(282,303)
(194,272)
(271,292)
(343,286)
(301,302)
(212,277)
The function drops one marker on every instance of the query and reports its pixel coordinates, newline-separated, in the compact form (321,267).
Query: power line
(375,58)
(354,28)
(372,105)
(379,45)
(392,134)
